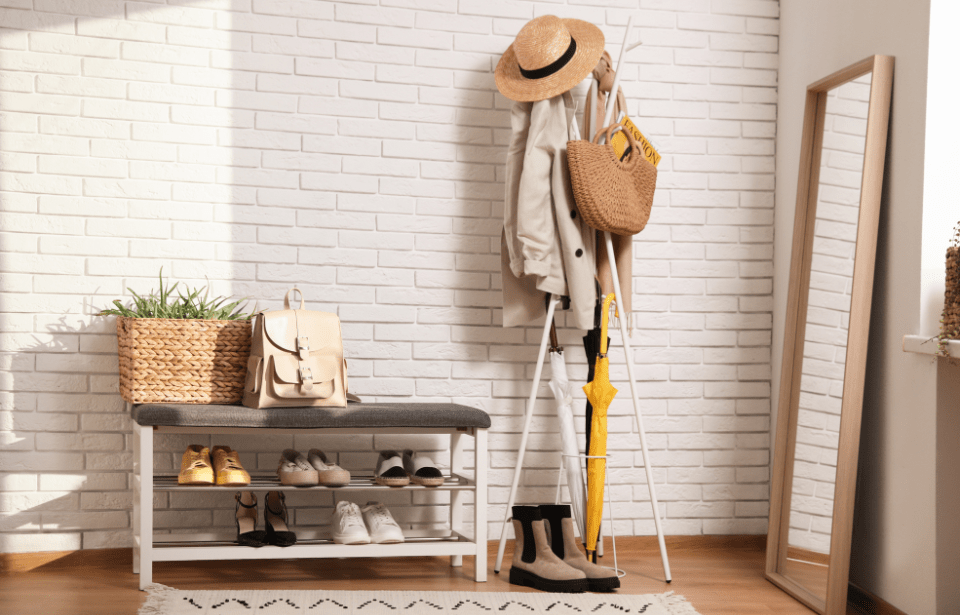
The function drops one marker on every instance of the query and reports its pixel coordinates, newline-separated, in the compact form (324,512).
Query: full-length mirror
(825,338)
(831,282)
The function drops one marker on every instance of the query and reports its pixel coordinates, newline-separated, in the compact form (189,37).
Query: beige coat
(544,248)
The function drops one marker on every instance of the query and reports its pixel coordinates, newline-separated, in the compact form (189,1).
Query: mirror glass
(825,337)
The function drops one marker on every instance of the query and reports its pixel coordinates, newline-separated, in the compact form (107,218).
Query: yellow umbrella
(600,393)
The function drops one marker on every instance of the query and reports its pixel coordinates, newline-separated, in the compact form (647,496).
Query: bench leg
(456,497)
(135,521)
(480,505)
(144,498)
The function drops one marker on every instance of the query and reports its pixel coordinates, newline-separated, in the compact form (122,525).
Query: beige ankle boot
(534,563)
(559,526)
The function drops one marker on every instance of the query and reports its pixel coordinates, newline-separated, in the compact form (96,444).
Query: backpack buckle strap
(303,347)
(306,377)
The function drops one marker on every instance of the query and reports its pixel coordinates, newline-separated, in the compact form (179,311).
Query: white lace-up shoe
(348,527)
(383,528)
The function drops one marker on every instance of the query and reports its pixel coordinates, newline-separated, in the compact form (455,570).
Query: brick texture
(357,150)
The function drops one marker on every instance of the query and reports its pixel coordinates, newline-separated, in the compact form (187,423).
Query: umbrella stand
(613,536)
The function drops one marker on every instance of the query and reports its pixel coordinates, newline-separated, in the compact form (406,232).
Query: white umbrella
(563,391)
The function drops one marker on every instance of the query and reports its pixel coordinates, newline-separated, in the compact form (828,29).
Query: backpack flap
(296,330)
(312,378)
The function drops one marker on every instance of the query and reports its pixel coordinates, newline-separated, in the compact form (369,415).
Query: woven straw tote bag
(612,195)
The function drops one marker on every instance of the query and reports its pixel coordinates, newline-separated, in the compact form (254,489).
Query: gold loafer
(195,466)
(226,465)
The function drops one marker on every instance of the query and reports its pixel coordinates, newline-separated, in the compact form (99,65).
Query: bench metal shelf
(168,482)
(312,542)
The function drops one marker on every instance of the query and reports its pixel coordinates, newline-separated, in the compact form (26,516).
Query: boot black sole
(528,579)
(603,585)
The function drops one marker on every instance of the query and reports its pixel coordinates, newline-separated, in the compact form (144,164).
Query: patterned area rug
(162,600)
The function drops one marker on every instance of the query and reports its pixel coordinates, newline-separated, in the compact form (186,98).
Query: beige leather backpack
(296,359)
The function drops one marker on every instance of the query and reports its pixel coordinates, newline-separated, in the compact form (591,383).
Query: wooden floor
(717,574)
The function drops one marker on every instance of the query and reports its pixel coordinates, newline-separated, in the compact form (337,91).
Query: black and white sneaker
(421,469)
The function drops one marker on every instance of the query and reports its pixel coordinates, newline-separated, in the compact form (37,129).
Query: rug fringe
(157,597)
(676,604)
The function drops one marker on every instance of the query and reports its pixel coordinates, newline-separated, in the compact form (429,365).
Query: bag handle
(631,161)
(286,298)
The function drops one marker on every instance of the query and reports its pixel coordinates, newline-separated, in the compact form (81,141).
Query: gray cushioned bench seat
(355,415)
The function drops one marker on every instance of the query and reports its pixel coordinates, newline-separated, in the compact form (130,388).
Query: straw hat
(549,57)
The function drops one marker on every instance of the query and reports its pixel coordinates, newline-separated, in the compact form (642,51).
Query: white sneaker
(383,528)
(348,527)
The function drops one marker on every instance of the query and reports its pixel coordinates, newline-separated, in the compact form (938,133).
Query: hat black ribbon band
(546,71)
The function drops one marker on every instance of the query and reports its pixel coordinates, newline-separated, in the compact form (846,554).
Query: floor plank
(719,575)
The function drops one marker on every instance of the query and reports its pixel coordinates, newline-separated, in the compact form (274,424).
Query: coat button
(579,253)
(573,213)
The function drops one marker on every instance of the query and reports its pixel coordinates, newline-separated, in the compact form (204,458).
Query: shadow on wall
(233,150)
(64,471)
(868,522)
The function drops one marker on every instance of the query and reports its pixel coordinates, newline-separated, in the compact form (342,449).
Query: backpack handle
(286,298)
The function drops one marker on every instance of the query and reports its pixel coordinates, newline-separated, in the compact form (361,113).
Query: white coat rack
(531,402)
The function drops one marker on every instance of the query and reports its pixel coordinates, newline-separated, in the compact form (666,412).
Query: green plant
(163,304)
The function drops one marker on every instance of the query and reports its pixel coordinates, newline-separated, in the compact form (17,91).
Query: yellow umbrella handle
(605,318)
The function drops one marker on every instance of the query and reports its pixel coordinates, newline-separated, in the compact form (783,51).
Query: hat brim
(515,86)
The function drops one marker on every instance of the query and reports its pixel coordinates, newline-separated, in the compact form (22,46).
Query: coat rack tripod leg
(636,407)
(531,403)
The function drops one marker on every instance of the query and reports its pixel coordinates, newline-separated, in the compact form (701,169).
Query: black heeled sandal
(276,521)
(247,533)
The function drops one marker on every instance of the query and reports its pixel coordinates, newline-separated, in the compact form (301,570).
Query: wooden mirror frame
(859,328)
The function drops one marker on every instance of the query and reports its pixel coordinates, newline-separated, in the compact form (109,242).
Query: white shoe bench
(394,418)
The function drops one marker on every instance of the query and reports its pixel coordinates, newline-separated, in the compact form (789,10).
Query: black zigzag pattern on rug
(270,603)
(375,600)
(242,603)
(333,602)
(514,602)
(466,602)
(617,607)
(426,602)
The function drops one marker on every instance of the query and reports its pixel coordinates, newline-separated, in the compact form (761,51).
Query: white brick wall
(828,315)
(357,150)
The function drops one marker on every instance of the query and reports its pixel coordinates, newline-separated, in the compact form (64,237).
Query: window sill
(925,345)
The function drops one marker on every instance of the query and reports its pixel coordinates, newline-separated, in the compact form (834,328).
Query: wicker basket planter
(182,361)
(951,303)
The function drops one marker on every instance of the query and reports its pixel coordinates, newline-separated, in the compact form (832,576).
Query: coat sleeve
(520,123)
(536,228)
